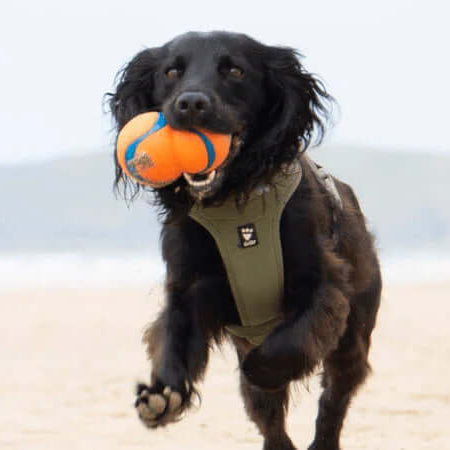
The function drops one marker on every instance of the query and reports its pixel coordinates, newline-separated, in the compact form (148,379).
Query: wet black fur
(332,290)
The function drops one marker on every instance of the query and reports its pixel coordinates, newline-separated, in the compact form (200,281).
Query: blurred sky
(387,63)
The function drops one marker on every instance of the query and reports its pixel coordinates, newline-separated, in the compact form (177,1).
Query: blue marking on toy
(131,149)
(209,148)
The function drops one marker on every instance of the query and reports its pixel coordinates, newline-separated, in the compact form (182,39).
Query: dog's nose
(192,105)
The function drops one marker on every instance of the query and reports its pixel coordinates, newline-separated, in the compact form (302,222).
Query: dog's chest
(248,240)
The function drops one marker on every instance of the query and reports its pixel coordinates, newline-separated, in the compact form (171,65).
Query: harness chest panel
(248,239)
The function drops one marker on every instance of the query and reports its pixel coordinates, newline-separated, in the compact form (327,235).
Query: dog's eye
(235,72)
(173,73)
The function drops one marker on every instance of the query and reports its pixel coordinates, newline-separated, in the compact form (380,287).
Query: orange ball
(151,152)
(144,150)
(200,151)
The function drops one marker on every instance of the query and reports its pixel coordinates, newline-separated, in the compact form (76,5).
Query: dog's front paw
(263,373)
(271,368)
(158,405)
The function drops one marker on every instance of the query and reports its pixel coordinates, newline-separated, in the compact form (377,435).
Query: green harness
(248,239)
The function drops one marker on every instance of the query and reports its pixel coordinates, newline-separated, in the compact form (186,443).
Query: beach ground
(71,359)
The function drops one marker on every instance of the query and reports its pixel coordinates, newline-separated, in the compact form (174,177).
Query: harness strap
(328,184)
(248,239)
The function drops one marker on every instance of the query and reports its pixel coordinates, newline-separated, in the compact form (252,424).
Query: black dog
(262,95)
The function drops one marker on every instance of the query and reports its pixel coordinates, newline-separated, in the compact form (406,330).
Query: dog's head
(226,83)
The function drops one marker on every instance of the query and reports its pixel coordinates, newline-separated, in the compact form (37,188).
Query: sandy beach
(71,358)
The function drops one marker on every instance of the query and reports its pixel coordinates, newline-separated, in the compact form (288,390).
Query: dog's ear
(134,91)
(133,95)
(297,102)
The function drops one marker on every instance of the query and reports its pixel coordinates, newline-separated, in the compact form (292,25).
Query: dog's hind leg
(266,409)
(345,369)
(344,372)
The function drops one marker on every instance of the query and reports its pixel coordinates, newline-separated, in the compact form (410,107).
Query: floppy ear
(135,87)
(297,106)
(133,95)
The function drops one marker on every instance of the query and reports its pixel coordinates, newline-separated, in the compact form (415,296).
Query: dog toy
(151,152)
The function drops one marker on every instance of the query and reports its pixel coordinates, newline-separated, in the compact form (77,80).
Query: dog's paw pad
(175,401)
(157,409)
(157,404)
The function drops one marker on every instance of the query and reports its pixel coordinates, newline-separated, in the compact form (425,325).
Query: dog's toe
(157,409)
(157,404)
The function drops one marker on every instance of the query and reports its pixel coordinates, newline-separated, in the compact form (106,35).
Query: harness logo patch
(247,235)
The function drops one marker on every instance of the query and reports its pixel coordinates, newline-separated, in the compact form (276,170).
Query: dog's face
(226,83)
(208,82)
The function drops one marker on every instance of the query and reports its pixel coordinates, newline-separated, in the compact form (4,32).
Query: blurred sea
(62,226)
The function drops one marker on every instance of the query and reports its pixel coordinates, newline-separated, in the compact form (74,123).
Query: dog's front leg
(178,350)
(294,349)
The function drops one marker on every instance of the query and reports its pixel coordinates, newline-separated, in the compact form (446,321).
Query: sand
(70,359)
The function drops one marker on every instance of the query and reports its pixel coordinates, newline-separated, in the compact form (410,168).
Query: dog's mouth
(203,186)
(201,181)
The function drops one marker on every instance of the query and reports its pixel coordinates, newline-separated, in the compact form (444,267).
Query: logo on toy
(141,160)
